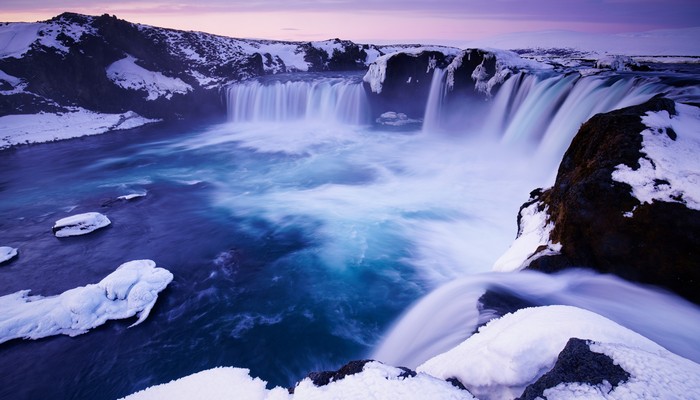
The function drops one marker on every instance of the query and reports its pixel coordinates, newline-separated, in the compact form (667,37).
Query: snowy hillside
(105,69)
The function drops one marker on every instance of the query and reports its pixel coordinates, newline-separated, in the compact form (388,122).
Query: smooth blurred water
(295,242)
(294,246)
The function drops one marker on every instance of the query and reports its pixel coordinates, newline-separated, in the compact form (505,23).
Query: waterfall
(436,97)
(546,112)
(450,314)
(325,99)
(541,112)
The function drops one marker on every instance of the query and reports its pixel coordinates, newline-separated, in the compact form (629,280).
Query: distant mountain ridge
(108,65)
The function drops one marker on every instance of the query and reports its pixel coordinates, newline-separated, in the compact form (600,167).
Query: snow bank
(533,233)
(43,127)
(7,253)
(511,352)
(130,290)
(669,169)
(375,381)
(127,74)
(80,224)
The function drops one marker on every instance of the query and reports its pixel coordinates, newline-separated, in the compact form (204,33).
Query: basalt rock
(657,245)
(578,364)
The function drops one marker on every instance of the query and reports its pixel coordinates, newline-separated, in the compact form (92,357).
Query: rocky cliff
(625,199)
(107,65)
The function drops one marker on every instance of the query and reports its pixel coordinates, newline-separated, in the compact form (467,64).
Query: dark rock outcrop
(497,302)
(401,82)
(578,364)
(657,245)
(406,82)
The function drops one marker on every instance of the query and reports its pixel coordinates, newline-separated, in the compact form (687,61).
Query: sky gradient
(378,21)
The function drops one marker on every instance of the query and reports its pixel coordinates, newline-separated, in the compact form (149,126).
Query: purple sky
(435,21)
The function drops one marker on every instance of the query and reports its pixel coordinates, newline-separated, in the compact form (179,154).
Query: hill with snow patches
(629,176)
(102,74)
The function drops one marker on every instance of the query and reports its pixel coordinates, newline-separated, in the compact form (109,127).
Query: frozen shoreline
(48,127)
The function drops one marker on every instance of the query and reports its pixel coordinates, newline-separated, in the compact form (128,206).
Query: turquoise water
(294,246)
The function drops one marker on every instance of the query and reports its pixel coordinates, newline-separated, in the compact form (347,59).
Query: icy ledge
(130,290)
(80,224)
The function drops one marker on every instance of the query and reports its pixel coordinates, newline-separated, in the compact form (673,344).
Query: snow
(498,362)
(7,253)
(511,352)
(80,224)
(533,233)
(12,80)
(392,118)
(377,73)
(618,63)
(131,290)
(44,127)
(126,74)
(329,46)
(17,38)
(507,63)
(669,169)
(375,381)
(132,196)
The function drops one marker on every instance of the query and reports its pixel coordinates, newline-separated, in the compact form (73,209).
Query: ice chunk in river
(7,253)
(80,224)
(130,290)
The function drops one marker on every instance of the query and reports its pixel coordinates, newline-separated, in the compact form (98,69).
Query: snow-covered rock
(618,63)
(625,201)
(131,290)
(80,224)
(562,351)
(374,381)
(512,352)
(533,238)
(391,118)
(7,253)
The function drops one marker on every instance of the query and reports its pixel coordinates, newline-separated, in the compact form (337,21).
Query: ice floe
(7,253)
(131,290)
(80,224)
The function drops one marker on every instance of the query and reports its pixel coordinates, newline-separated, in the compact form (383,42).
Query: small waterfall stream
(325,99)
